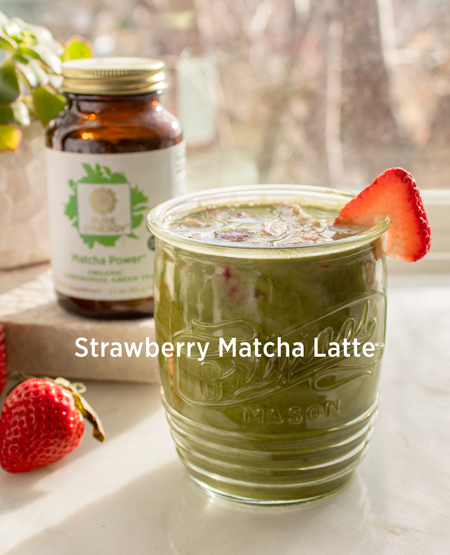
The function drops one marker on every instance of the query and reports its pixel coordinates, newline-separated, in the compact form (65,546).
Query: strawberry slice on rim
(394,195)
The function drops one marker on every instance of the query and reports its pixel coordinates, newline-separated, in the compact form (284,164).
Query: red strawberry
(393,194)
(3,372)
(41,422)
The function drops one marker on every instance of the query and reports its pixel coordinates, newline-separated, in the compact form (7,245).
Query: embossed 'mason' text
(292,415)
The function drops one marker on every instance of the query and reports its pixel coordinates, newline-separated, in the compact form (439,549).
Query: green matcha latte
(262,266)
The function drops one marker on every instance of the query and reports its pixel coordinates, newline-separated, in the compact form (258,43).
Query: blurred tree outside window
(324,92)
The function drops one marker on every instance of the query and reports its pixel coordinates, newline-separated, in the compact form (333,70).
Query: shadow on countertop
(163,512)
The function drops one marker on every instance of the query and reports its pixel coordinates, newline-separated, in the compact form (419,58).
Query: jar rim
(164,214)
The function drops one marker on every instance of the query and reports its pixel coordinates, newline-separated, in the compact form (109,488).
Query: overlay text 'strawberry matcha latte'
(270,264)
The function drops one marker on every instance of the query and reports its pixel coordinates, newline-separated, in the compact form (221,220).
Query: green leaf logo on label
(103,206)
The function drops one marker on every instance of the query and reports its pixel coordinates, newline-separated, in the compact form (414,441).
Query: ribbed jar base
(269,469)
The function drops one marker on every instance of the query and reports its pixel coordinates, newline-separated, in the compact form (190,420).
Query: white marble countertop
(131,496)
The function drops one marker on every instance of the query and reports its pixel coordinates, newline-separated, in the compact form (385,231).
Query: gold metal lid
(113,76)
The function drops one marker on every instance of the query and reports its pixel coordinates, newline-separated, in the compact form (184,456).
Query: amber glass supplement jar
(113,153)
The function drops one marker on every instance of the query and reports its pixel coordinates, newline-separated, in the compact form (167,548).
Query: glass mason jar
(112,154)
(268,429)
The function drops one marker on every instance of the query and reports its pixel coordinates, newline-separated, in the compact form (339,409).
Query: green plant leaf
(49,58)
(55,81)
(20,58)
(48,104)
(44,55)
(32,34)
(57,47)
(77,48)
(12,28)
(42,34)
(34,74)
(27,50)
(6,114)
(7,43)
(21,113)
(10,137)
(29,103)
(9,84)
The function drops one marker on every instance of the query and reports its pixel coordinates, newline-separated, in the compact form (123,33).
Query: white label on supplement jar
(98,203)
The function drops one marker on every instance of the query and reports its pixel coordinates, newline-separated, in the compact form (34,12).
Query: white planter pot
(24,234)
